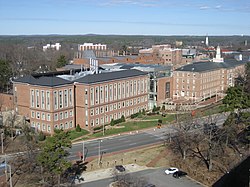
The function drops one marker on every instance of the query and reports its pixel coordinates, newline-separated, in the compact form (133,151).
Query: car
(149,185)
(179,174)
(120,168)
(171,170)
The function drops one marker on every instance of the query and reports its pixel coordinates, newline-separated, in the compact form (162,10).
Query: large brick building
(198,81)
(52,101)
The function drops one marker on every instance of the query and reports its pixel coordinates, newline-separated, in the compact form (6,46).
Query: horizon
(125,17)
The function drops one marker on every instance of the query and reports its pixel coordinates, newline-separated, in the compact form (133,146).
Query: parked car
(179,174)
(171,170)
(120,168)
(149,185)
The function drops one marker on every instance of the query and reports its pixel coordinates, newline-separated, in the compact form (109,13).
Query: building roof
(208,66)
(103,77)
(43,80)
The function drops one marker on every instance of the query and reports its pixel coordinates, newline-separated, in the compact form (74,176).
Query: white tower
(206,42)
(218,57)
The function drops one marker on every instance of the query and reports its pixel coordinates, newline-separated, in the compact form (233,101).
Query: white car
(171,170)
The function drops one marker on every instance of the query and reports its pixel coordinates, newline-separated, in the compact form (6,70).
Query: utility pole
(99,152)
(103,129)
(83,154)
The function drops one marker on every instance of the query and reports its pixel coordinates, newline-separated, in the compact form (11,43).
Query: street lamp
(99,152)
(2,134)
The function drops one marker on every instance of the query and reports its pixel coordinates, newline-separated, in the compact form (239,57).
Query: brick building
(198,81)
(54,100)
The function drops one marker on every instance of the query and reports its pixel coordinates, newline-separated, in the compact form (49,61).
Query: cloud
(204,7)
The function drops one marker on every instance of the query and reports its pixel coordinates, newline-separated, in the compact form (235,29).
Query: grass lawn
(128,126)
(73,134)
(168,118)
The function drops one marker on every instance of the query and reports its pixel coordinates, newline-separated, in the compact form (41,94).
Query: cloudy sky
(144,17)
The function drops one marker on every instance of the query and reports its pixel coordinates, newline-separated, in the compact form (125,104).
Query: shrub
(123,118)
(41,136)
(159,121)
(163,108)
(78,128)
(143,112)
(112,123)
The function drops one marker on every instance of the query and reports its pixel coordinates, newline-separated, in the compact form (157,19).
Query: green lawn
(168,118)
(73,134)
(128,126)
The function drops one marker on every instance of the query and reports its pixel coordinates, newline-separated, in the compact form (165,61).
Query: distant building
(206,41)
(169,56)
(55,46)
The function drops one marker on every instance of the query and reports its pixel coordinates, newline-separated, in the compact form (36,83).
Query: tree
(236,98)
(78,128)
(61,61)
(5,73)
(53,155)
(123,118)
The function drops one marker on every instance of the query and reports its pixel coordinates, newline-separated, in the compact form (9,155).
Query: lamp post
(99,152)
(2,134)
(103,129)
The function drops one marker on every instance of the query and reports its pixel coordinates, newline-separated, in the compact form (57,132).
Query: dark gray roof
(88,54)
(96,78)
(43,81)
(208,66)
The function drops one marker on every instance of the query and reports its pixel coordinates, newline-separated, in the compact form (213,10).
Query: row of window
(107,118)
(57,116)
(41,98)
(115,106)
(47,128)
(116,91)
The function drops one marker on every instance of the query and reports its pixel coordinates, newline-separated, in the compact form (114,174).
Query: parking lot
(152,176)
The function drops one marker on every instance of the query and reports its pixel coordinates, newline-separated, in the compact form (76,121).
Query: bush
(163,108)
(143,112)
(123,118)
(41,136)
(159,120)
(78,128)
(112,123)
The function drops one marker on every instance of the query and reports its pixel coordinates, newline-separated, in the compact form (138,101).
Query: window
(101,94)
(66,115)
(48,117)
(55,117)
(60,99)
(43,116)
(70,113)
(131,88)
(97,95)
(32,114)
(134,87)
(70,124)
(97,111)
(61,126)
(43,100)
(106,93)
(66,98)
(138,86)
(48,128)
(115,91)
(119,91)
(66,125)
(48,100)
(123,90)
(37,99)
(61,115)
(32,100)
(92,112)
(127,89)
(55,100)
(111,92)
(38,115)
(44,127)
(38,126)
(70,97)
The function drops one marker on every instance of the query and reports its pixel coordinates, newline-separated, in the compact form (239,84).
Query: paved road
(152,176)
(129,141)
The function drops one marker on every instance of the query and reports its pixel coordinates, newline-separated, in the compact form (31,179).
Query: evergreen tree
(61,61)
(53,155)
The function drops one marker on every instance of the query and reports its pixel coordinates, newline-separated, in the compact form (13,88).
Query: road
(131,141)
(151,176)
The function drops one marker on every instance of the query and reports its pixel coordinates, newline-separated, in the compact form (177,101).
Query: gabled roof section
(208,66)
(43,81)
(103,77)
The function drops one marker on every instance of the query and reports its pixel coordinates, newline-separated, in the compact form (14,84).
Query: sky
(125,17)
